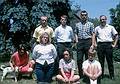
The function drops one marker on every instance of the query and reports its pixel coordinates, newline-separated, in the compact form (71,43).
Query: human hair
(64,16)
(21,47)
(70,52)
(92,52)
(83,11)
(102,16)
(45,33)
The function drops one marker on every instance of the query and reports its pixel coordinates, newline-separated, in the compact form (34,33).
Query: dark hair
(21,47)
(69,51)
(64,16)
(102,16)
(83,11)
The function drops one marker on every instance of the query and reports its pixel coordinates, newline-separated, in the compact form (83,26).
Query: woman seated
(20,60)
(91,67)
(67,69)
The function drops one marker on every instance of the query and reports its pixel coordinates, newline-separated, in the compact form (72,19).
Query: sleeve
(56,34)
(35,34)
(61,63)
(52,33)
(54,51)
(34,54)
(99,65)
(114,32)
(84,65)
(73,65)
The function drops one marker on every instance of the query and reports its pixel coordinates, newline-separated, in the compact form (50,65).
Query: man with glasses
(107,38)
(85,39)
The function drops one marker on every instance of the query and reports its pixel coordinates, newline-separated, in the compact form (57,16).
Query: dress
(21,61)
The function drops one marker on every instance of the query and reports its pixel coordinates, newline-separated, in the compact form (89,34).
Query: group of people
(46,56)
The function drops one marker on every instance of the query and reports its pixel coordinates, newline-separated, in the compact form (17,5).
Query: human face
(91,57)
(66,55)
(44,21)
(103,20)
(45,39)
(21,51)
(63,21)
(83,17)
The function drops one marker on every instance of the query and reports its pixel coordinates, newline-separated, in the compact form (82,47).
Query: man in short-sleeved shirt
(107,38)
(42,28)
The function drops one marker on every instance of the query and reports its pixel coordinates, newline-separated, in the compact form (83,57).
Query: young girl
(67,69)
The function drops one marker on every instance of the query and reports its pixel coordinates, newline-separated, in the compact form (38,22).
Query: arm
(115,41)
(11,62)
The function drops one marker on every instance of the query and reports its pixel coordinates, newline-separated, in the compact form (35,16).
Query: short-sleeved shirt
(88,63)
(42,53)
(67,66)
(105,34)
(39,31)
(84,31)
(64,34)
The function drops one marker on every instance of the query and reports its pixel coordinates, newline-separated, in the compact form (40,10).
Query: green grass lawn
(105,80)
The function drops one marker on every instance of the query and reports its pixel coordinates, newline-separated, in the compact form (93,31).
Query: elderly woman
(44,55)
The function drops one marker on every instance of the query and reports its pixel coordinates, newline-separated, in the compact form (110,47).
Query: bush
(116,55)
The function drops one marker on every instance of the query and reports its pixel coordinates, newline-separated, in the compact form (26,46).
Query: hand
(113,46)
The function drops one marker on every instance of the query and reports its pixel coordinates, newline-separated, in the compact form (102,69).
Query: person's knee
(30,70)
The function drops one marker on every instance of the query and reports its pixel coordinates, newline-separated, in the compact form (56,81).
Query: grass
(106,80)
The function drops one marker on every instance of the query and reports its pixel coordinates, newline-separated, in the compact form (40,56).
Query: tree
(115,17)
(19,18)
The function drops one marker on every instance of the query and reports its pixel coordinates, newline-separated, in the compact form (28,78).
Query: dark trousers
(105,49)
(44,73)
(82,50)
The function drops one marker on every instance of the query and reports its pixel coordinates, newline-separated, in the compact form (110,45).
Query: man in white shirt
(107,38)
(64,37)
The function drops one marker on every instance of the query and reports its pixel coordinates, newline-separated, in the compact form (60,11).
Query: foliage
(19,18)
(115,16)
(116,55)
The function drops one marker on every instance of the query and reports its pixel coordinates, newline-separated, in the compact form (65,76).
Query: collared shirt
(64,34)
(105,34)
(67,66)
(84,31)
(40,30)
(86,64)
(42,53)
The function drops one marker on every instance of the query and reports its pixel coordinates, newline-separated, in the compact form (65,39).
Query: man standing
(41,29)
(85,37)
(107,38)
(64,36)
